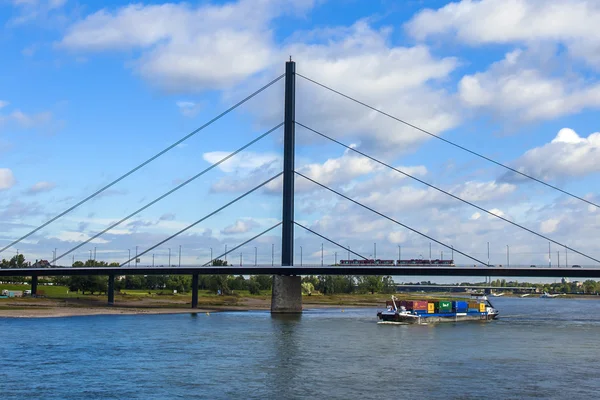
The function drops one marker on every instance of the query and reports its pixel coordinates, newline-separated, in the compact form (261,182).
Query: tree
(265,282)
(590,286)
(181,283)
(307,288)
(370,283)
(219,263)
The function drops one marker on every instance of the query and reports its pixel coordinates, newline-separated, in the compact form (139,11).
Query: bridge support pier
(34,283)
(195,291)
(286,296)
(111,290)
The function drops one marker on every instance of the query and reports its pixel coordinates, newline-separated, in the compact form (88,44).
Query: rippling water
(540,348)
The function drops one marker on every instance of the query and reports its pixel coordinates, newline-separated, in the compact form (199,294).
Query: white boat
(525,295)
(547,295)
(497,294)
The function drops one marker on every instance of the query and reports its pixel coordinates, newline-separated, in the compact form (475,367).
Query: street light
(399,253)
(321,254)
(566,258)
(507,256)
(136,256)
(179,255)
(549,259)
(300,255)
(169,257)
(211,256)
(348,252)
(240,259)
(94,253)
(129,257)
(90,254)
(255,255)
(375,251)
(152,260)
(225,252)
(488,245)
(335,258)
(429,252)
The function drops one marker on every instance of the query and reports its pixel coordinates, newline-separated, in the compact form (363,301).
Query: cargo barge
(426,312)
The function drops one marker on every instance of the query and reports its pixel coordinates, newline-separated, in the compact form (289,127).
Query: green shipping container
(445,305)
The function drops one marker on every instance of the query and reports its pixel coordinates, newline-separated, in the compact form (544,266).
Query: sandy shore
(48,308)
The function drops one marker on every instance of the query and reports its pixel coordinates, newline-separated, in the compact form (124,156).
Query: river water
(539,348)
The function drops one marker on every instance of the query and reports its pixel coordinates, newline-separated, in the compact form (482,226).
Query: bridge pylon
(286,294)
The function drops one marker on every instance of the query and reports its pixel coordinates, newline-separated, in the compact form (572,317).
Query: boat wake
(396,323)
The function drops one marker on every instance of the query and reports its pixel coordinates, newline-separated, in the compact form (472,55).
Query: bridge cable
(205,217)
(448,141)
(145,162)
(445,192)
(388,218)
(169,192)
(244,243)
(329,240)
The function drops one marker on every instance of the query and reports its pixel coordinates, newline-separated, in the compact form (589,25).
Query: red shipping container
(420,305)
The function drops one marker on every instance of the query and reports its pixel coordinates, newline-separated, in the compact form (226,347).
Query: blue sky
(89,90)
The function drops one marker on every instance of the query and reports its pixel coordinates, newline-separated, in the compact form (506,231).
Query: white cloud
(3,103)
(186,48)
(41,187)
(571,23)
(7,179)
(549,225)
(71,236)
(567,155)
(188,109)
(240,226)
(243,162)
(514,87)
(25,120)
(475,216)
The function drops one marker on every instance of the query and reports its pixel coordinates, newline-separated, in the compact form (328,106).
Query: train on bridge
(400,263)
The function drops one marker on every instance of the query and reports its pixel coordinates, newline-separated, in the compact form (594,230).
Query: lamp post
(169,257)
(255,255)
(180,255)
(335,259)
(211,256)
(507,256)
(300,255)
(94,253)
(558,259)
(348,253)
(452,247)
(90,254)
(272,254)
(488,246)
(136,256)
(566,258)
(321,254)
(240,259)
(429,252)
(129,257)
(549,259)
(152,260)
(225,252)
(375,251)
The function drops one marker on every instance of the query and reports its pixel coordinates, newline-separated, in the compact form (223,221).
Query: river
(539,348)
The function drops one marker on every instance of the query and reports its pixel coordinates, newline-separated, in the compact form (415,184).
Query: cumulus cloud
(167,217)
(7,179)
(243,162)
(240,226)
(40,187)
(187,48)
(570,23)
(567,155)
(549,225)
(513,87)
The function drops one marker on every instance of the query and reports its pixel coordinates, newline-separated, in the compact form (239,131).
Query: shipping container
(474,310)
(444,305)
(481,307)
(430,308)
(474,304)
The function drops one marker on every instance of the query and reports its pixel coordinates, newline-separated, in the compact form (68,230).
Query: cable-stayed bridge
(286,287)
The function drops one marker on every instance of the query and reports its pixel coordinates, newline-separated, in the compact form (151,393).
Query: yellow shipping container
(474,304)
(430,308)
(481,307)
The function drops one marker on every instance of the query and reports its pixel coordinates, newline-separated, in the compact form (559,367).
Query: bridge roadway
(311,270)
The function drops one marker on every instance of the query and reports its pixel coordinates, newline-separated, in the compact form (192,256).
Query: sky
(89,90)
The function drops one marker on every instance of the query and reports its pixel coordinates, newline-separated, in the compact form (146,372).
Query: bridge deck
(312,270)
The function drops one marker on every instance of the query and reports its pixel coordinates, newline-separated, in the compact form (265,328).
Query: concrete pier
(287,294)
(34,284)
(195,291)
(111,290)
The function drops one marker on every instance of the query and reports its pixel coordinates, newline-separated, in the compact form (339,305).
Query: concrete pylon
(287,294)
